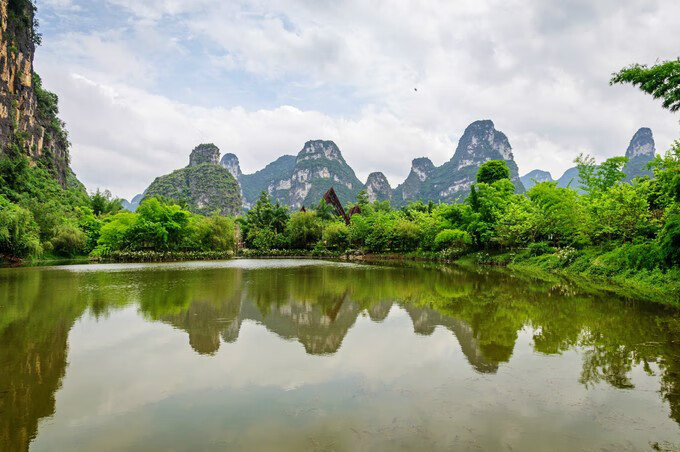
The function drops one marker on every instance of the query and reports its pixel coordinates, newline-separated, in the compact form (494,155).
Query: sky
(141,83)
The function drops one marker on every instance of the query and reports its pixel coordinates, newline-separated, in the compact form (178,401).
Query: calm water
(295,355)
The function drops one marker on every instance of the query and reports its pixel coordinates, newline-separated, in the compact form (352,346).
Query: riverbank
(591,269)
(595,268)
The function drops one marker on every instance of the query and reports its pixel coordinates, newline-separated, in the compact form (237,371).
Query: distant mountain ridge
(480,143)
(536,176)
(302,179)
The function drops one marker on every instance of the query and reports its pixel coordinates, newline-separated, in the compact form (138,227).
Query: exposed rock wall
(378,187)
(28,113)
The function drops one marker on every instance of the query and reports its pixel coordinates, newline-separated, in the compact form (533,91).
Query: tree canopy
(662,81)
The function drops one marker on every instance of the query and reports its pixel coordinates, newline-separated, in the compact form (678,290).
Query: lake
(310,355)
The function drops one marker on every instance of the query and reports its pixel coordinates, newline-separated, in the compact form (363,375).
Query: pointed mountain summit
(231,163)
(132,205)
(204,153)
(640,152)
(302,180)
(536,176)
(318,167)
(378,187)
(415,184)
(480,143)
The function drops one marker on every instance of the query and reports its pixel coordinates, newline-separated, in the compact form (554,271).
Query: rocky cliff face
(205,186)
(273,179)
(302,180)
(204,153)
(231,163)
(28,114)
(481,142)
(415,185)
(640,152)
(318,167)
(536,176)
(378,187)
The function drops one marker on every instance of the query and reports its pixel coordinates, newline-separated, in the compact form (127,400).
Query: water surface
(295,355)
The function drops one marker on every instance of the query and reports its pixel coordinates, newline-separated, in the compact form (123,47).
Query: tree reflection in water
(317,305)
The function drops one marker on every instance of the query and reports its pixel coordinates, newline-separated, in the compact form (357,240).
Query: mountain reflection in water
(317,304)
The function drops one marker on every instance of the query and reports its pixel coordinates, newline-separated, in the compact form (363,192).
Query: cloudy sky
(142,82)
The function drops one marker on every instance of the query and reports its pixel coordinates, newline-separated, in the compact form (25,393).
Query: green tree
(598,178)
(620,213)
(406,235)
(359,228)
(492,171)
(215,233)
(362,199)
(452,238)
(561,217)
(69,241)
(114,233)
(518,224)
(303,230)
(670,240)
(667,174)
(102,202)
(487,204)
(325,211)
(19,233)
(336,236)
(662,81)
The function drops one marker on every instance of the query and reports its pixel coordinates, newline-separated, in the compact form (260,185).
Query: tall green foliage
(662,81)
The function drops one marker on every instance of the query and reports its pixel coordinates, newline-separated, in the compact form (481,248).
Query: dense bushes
(670,240)
(69,241)
(19,233)
(163,227)
(452,238)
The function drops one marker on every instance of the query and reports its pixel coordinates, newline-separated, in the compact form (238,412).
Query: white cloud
(540,72)
(126,136)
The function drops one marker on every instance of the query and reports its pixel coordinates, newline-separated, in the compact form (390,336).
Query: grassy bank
(617,270)
(163,256)
(593,269)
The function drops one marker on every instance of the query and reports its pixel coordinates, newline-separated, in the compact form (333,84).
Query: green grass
(608,270)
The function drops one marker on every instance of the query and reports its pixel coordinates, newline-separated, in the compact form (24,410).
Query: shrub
(406,235)
(19,233)
(266,239)
(336,236)
(215,233)
(539,248)
(669,240)
(303,229)
(69,241)
(452,238)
